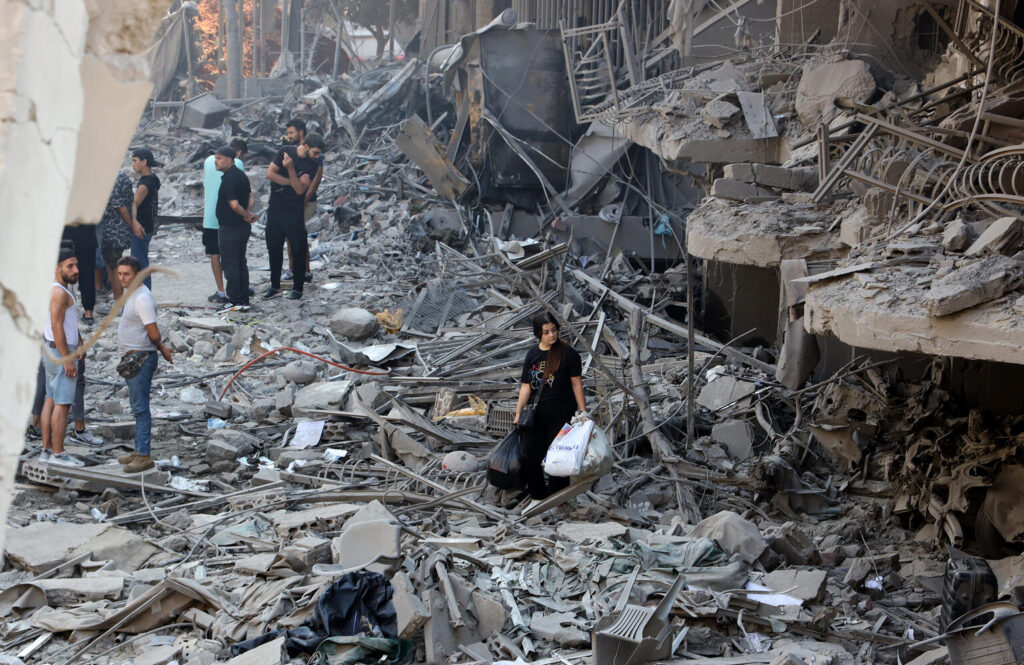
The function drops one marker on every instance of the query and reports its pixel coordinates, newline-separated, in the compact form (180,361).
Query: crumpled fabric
(359,650)
(696,553)
(700,561)
(354,604)
(733,534)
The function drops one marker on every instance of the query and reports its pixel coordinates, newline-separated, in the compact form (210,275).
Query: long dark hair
(554,357)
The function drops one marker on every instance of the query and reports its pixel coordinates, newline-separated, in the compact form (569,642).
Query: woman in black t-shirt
(558,366)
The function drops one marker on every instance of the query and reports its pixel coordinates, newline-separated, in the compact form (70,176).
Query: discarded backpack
(505,465)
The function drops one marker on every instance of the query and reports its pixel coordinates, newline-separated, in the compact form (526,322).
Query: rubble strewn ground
(318,458)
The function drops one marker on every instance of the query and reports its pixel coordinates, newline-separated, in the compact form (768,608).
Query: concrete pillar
(72,86)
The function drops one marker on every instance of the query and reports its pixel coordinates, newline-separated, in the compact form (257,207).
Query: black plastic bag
(358,603)
(505,465)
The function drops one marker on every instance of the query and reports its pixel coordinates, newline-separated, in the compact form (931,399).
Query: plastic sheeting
(358,603)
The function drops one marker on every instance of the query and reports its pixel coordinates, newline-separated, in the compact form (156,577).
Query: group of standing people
(63,384)
(88,256)
(294,175)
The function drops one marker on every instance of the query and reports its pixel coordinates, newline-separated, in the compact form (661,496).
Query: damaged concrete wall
(49,52)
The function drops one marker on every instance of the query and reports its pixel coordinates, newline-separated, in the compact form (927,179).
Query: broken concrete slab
(320,395)
(736,435)
(823,82)
(42,545)
(579,532)
(719,113)
(973,284)
(735,190)
(956,235)
(206,323)
(126,550)
(68,591)
(411,611)
(777,177)
(861,568)
(807,585)
(723,391)
(270,653)
(792,544)
(323,518)
(1003,236)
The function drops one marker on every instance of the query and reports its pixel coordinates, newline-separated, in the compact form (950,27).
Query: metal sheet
(527,90)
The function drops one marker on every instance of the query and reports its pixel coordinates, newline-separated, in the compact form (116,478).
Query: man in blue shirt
(211,186)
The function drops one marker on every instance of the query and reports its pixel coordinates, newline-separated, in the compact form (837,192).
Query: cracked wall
(73,81)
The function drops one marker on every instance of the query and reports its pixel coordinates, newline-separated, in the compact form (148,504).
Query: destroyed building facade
(784,235)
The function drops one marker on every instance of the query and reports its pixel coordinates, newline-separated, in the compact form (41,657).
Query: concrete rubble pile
(321,492)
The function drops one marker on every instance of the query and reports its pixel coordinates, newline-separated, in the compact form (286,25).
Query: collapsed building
(786,237)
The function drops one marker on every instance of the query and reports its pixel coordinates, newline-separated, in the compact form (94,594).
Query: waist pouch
(131,363)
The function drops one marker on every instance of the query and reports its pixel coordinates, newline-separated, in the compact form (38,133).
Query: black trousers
(536,441)
(233,240)
(84,238)
(285,223)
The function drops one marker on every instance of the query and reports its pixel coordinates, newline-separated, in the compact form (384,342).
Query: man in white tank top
(61,339)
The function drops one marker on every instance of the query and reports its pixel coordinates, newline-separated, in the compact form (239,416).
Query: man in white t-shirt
(211,186)
(137,333)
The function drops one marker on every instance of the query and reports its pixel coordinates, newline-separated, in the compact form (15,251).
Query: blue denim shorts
(59,388)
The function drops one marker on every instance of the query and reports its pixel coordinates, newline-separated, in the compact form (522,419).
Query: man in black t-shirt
(290,174)
(144,206)
(234,216)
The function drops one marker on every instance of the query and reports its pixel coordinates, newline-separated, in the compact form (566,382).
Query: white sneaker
(44,457)
(66,460)
(85,438)
(530,505)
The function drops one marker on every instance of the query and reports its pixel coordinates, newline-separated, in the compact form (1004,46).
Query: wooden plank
(420,145)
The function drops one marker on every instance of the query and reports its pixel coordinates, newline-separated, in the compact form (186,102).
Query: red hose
(305,353)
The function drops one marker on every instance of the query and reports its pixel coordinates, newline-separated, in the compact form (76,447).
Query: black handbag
(529,412)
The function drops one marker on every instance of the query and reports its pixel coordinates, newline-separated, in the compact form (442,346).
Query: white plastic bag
(598,459)
(565,455)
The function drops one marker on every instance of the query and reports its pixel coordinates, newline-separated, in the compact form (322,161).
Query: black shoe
(32,433)
(271,292)
(252,291)
(294,295)
(309,277)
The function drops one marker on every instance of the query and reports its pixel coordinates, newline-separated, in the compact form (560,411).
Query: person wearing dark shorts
(290,174)
(211,242)
(234,203)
